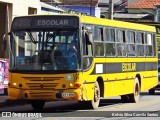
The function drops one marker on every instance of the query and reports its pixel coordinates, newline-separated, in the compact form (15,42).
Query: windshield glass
(45,50)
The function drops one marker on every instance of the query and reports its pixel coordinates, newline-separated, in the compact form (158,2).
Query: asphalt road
(111,108)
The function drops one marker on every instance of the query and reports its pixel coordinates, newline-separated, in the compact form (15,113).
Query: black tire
(152,91)
(134,97)
(37,104)
(125,98)
(94,104)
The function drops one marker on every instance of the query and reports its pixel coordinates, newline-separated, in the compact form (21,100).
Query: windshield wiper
(32,38)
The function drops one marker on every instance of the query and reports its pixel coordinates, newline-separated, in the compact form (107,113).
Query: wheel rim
(96,93)
(136,92)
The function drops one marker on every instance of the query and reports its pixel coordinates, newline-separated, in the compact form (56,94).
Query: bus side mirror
(4,43)
(90,37)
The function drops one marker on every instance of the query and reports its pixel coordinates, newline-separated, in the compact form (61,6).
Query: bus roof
(116,23)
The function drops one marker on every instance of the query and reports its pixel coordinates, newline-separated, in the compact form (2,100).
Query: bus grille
(42,85)
(42,82)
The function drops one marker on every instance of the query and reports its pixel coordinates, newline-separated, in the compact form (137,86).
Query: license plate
(68,94)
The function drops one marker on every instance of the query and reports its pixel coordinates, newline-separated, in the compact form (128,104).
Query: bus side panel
(118,84)
(108,89)
(150,80)
(123,87)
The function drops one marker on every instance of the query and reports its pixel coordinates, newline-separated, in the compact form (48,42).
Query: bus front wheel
(37,104)
(134,97)
(95,102)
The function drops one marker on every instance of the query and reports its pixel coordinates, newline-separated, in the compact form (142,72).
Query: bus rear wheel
(125,98)
(134,97)
(152,91)
(37,104)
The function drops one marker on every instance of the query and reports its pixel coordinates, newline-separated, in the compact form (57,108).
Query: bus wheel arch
(101,85)
(139,78)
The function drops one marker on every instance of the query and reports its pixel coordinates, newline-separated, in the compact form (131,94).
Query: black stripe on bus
(119,67)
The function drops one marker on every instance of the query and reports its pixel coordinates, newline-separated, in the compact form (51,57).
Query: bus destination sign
(53,22)
(49,22)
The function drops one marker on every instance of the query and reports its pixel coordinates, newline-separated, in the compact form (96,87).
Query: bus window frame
(124,42)
(143,43)
(145,38)
(128,43)
(100,41)
(155,49)
(105,41)
(83,33)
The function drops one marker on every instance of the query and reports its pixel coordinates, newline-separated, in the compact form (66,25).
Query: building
(88,7)
(50,9)
(10,9)
(147,10)
(119,6)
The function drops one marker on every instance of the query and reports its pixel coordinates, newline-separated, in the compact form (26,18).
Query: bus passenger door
(87,60)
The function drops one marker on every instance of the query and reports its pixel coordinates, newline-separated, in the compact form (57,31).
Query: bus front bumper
(48,95)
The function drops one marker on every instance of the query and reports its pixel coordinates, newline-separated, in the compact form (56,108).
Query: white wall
(134,10)
(97,12)
(15,8)
(131,2)
(20,7)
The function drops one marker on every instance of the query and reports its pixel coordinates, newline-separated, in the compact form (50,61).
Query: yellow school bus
(80,58)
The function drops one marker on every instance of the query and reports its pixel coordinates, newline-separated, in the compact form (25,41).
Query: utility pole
(110,13)
(90,7)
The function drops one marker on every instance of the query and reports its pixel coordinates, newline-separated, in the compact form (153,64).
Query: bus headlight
(71,85)
(14,84)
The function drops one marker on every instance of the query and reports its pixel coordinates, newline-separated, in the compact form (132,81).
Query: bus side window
(148,44)
(121,47)
(110,42)
(98,41)
(140,44)
(131,43)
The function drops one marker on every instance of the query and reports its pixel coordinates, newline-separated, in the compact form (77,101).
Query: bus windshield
(45,50)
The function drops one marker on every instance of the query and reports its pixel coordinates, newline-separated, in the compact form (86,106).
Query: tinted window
(110,42)
(148,44)
(140,44)
(131,43)
(120,42)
